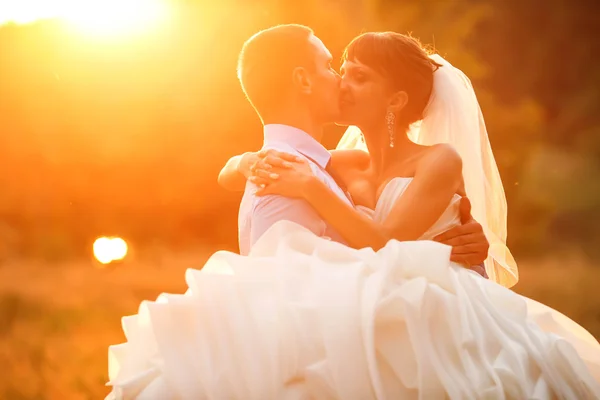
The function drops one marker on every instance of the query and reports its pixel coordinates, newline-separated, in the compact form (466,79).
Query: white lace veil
(453,116)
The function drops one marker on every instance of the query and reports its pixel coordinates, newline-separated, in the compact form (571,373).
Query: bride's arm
(238,169)
(357,229)
(436,180)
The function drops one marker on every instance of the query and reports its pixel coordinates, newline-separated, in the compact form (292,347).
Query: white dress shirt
(257,214)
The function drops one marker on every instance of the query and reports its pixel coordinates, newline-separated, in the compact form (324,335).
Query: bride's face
(364,96)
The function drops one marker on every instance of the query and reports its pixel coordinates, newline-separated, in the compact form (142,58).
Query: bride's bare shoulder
(441,159)
(349,159)
(442,151)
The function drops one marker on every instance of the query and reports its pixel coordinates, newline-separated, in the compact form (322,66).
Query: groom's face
(325,84)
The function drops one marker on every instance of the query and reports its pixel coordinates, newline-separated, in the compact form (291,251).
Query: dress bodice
(396,188)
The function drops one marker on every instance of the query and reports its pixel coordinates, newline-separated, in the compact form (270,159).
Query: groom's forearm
(232,176)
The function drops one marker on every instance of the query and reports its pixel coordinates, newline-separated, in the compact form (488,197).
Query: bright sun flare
(97,17)
(107,250)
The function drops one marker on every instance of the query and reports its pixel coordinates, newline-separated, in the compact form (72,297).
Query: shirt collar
(299,140)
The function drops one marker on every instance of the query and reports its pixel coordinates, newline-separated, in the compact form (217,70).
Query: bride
(303,317)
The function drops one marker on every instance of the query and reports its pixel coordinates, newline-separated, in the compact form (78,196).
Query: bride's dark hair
(404,62)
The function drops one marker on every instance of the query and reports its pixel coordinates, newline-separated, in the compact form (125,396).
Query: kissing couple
(378,270)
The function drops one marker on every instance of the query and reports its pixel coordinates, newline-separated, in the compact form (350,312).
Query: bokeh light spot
(107,250)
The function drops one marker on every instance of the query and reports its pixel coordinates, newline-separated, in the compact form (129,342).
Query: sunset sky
(95,17)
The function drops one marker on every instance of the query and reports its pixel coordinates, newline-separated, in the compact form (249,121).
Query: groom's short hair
(266,63)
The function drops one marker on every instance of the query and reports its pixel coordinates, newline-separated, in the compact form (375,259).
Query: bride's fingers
(258,181)
(275,162)
(265,175)
(264,190)
(265,165)
(291,157)
(279,154)
(260,164)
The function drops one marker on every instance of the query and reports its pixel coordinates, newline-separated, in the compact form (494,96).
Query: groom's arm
(236,171)
(273,208)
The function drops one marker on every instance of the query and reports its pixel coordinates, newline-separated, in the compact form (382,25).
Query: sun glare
(107,250)
(96,17)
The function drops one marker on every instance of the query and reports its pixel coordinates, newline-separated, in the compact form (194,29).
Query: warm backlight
(97,17)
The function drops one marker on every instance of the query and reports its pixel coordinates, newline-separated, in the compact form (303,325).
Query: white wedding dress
(303,317)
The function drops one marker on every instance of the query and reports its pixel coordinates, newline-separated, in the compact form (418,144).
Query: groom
(286,74)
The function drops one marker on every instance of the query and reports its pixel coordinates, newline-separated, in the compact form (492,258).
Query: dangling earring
(390,119)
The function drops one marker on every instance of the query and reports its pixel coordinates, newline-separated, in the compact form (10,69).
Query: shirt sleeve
(273,208)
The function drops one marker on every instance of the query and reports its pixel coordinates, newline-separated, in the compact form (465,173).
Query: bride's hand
(291,179)
(264,159)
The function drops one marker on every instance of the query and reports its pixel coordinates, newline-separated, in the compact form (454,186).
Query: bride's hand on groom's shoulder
(282,174)
(267,159)
(469,244)
(250,161)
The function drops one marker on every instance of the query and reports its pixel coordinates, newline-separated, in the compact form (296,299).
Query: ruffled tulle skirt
(306,318)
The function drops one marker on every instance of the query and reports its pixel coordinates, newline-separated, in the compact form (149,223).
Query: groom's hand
(469,244)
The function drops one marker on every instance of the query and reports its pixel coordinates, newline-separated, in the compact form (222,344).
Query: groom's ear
(399,100)
(301,80)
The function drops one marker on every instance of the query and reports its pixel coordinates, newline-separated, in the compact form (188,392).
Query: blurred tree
(547,55)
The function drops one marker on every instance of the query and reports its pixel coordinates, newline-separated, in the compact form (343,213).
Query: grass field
(56,321)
